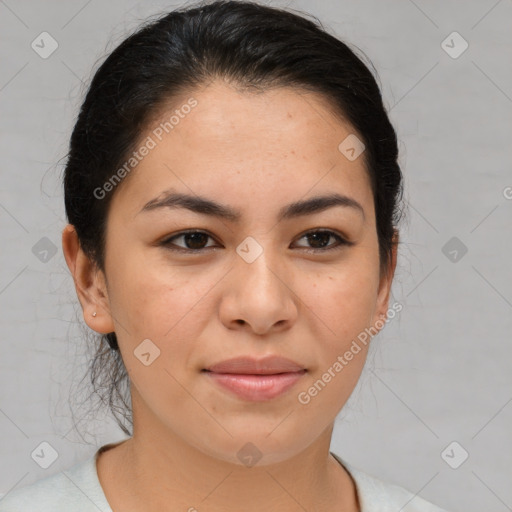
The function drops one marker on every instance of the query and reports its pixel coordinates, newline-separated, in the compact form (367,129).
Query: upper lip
(249,365)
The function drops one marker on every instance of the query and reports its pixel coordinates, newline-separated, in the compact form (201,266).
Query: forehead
(246,147)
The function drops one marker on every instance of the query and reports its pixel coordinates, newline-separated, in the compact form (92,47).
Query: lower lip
(256,388)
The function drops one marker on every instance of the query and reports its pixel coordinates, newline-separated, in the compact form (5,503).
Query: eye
(194,241)
(320,240)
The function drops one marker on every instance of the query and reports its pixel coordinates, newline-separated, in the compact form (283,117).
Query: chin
(257,448)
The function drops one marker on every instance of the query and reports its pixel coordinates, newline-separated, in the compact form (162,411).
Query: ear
(90,283)
(386,279)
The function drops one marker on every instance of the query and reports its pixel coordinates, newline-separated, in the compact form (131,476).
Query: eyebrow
(205,206)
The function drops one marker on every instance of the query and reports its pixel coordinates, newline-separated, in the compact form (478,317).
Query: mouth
(258,387)
(256,379)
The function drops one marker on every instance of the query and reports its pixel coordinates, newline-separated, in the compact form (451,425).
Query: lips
(248,365)
(256,379)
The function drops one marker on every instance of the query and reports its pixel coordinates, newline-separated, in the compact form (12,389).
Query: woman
(232,191)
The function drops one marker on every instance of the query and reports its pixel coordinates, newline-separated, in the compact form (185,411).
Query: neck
(156,470)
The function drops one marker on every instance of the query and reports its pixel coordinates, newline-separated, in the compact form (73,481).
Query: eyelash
(341,241)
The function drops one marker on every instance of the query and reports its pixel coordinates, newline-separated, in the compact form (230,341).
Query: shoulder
(76,488)
(376,495)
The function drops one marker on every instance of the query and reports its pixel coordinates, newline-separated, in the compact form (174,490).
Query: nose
(259,297)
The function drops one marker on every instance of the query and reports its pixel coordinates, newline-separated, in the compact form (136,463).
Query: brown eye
(193,241)
(319,240)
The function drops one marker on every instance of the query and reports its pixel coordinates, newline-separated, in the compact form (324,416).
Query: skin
(255,153)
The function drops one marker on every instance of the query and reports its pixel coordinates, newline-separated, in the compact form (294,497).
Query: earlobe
(89,283)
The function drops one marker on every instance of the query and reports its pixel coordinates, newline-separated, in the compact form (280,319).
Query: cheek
(164,306)
(154,296)
(341,344)
(343,298)
(342,302)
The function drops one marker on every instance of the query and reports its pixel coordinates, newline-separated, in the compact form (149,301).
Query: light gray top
(78,489)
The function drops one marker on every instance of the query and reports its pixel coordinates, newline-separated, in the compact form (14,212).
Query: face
(255,280)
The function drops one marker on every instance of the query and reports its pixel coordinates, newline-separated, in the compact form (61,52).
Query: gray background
(438,373)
